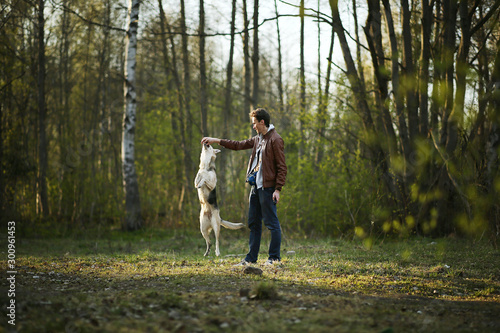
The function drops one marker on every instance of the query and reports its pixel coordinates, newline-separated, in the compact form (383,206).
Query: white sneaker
(243,263)
(272,262)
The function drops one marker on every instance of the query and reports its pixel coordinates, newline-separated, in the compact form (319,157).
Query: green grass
(156,280)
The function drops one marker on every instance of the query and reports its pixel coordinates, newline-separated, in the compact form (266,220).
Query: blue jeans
(262,207)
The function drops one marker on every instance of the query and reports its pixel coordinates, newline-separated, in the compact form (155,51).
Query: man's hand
(209,141)
(276,196)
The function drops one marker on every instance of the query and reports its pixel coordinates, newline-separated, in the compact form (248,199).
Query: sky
(218,17)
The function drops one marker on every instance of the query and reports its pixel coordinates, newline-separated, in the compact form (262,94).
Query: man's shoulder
(273,135)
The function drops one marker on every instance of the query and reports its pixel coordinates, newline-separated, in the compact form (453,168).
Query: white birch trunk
(133,219)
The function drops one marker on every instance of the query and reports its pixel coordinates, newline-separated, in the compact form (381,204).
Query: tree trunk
(322,112)
(176,131)
(281,102)
(425,54)
(322,99)
(93,133)
(483,58)
(373,33)
(436,105)
(448,127)
(409,77)
(228,101)
(3,205)
(352,73)
(457,115)
(186,93)
(42,138)
(449,131)
(246,54)
(203,72)
(318,74)
(133,218)
(358,42)
(376,154)
(493,146)
(302,84)
(256,55)
(64,108)
(398,93)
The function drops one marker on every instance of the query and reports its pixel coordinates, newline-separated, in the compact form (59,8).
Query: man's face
(259,126)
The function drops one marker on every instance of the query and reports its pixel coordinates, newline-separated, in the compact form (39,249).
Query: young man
(268,161)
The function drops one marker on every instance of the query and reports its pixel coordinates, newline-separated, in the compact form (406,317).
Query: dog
(205,182)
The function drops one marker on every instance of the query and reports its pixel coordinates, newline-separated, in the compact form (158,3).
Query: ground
(154,281)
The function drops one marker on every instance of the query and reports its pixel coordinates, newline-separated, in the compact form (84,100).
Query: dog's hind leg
(216,227)
(205,231)
(209,245)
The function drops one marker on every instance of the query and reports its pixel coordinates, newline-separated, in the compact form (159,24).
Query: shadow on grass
(160,282)
(191,297)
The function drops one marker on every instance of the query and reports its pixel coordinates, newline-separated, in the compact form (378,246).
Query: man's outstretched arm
(229,144)
(209,140)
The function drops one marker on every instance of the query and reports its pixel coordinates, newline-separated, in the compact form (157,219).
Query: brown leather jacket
(273,157)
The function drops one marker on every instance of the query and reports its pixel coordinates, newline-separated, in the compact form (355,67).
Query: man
(268,161)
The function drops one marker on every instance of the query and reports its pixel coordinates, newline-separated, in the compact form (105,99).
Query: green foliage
(348,177)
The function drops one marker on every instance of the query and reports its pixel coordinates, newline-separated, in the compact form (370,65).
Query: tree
(247,103)
(281,103)
(302,83)
(256,55)
(324,97)
(133,218)
(42,112)
(170,71)
(425,54)
(203,71)
(405,137)
(228,96)
(186,94)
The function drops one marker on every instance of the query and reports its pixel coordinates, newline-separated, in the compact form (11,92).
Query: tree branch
(485,18)
(69,10)
(228,33)
(455,184)
(11,81)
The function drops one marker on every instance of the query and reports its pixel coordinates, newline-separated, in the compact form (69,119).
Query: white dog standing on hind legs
(205,182)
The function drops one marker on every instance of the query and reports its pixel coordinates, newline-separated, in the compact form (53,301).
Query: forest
(391,125)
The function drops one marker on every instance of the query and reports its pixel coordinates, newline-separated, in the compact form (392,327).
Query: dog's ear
(216,151)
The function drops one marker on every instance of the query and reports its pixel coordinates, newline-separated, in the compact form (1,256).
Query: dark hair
(260,114)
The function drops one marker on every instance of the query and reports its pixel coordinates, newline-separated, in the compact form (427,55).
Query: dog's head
(208,156)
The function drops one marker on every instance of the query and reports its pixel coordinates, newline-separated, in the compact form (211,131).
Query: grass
(156,280)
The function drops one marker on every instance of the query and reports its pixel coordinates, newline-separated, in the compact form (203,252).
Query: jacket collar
(271,127)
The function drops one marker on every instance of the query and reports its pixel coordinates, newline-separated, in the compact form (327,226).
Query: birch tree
(133,218)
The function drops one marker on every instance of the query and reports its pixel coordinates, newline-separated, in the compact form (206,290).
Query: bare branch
(453,181)
(228,33)
(11,81)
(69,10)
(492,11)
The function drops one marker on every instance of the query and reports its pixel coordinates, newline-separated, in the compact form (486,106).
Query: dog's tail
(231,225)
